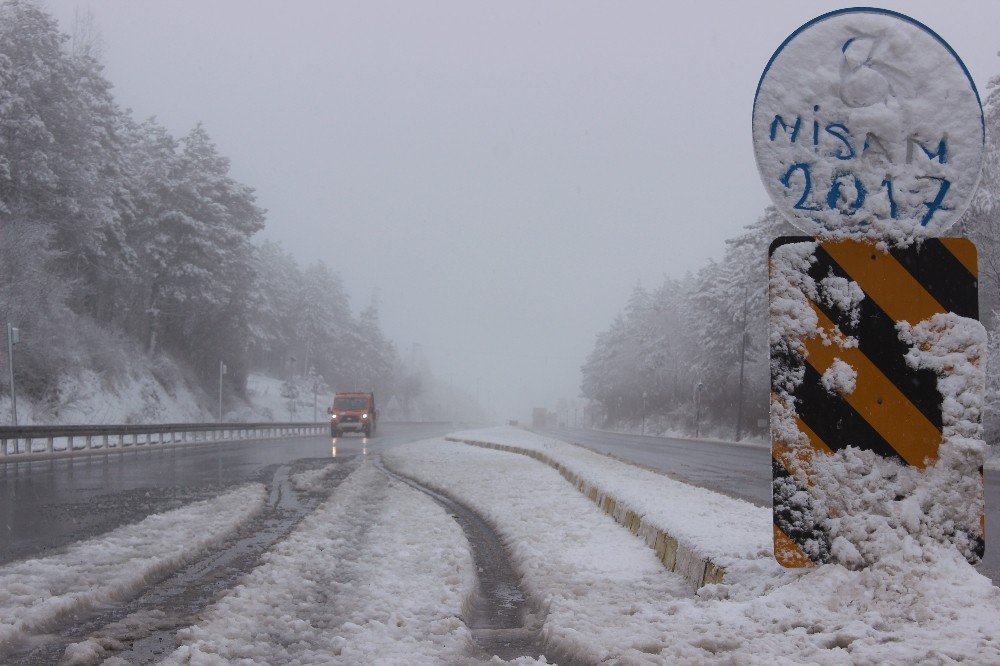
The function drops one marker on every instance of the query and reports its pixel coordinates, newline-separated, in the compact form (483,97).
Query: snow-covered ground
(378,574)
(731,532)
(157,393)
(267,404)
(606,599)
(138,397)
(36,593)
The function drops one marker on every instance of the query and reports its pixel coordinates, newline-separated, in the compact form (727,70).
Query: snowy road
(48,504)
(741,471)
(335,561)
(738,471)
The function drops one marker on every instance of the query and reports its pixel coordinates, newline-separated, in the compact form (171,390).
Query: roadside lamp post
(222,370)
(699,387)
(312,375)
(619,414)
(13,337)
(292,390)
(743,357)
(644,394)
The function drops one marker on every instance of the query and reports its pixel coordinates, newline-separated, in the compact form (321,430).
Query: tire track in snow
(503,620)
(143,629)
(377,574)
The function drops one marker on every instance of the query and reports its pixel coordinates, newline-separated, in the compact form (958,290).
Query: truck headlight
(365,415)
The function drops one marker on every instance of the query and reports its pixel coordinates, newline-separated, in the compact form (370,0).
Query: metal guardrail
(19,443)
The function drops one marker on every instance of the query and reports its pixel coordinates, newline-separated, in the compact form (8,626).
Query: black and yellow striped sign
(894,409)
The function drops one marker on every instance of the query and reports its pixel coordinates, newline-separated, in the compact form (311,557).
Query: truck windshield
(350,404)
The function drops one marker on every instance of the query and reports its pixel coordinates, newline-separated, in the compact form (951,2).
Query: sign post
(222,372)
(869,136)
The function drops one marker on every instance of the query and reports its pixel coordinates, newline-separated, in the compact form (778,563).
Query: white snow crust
(872,507)
(866,101)
(36,593)
(377,574)
(606,603)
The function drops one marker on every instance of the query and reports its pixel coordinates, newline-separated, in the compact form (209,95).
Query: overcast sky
(502,173)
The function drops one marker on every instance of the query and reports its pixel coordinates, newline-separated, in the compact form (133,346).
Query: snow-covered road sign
(868,133)
(866,122)
(880,351)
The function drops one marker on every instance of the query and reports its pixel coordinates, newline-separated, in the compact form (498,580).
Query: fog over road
(48,504)
(741,471)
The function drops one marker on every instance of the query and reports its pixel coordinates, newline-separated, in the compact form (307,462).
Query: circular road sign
(867,124)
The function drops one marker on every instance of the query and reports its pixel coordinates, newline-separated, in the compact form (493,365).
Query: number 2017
(834,193)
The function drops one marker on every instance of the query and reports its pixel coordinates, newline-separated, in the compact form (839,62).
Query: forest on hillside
(122,244)
(672,360)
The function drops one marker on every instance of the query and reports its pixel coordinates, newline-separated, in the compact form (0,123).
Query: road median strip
(678,542)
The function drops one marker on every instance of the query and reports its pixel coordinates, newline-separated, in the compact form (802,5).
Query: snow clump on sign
(955,348)
(842,294)
(840,377)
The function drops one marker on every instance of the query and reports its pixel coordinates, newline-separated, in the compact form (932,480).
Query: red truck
(353,412)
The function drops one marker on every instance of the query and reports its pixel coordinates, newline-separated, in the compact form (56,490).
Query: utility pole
(644,412)
(743,356)
(312,375)
(222,371)
(13,337)
(699,387)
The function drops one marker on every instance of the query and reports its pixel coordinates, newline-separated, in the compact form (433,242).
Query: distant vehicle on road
(542,418)
(353,412)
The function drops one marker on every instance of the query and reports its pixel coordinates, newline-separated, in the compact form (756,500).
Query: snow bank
(377,574)
(713,533)
(609,600)
(138,397)
(36,593)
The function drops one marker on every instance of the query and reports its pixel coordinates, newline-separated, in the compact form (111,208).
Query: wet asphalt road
(47,504)
(743,472)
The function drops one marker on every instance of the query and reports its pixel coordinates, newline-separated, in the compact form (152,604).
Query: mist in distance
(499,177)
